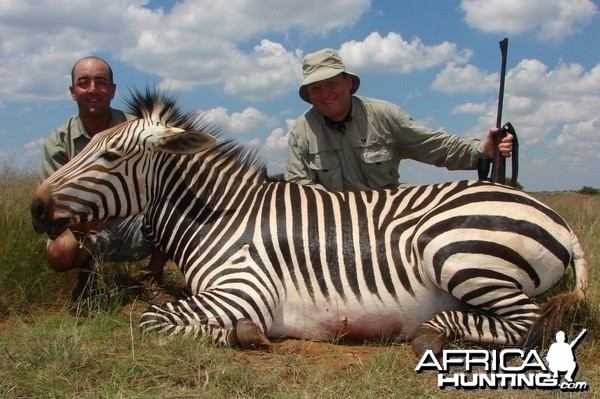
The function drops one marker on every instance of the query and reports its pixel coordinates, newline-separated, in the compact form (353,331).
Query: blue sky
(239,62)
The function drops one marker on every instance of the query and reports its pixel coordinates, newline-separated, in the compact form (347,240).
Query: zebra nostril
(37,209)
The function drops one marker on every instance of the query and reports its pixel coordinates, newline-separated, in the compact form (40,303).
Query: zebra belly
(373,318)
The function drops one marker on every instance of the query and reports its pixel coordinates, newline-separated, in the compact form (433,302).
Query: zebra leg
(172,318)
(501,316)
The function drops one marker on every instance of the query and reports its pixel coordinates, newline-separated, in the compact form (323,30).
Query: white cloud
(566,81)
(394,54)
(208,62)
(572,16)
(239,19)
(196,42)
(579,142)
(552,19)
(549,98)
(37,39)
(579,134)
(470,108)
(290,123)
(465,79)
(275,150)
(238,122)
(277,140)
(269,73)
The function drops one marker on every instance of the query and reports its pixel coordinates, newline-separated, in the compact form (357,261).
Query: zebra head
(111,176)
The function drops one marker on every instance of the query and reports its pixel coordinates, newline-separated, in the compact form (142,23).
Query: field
(52,349)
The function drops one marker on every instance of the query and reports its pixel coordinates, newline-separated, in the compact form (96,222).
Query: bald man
(93,89)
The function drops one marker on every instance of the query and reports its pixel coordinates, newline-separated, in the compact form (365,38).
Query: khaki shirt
(367,155)
(64,142)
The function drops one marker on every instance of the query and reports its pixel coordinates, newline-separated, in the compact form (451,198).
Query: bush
(589,191)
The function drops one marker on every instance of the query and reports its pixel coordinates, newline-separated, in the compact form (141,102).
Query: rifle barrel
(576,340)
(504,51)
(499,167)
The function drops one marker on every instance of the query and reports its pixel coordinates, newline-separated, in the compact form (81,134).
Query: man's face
(92,87)
(331,97)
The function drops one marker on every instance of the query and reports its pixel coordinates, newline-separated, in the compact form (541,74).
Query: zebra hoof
(247,335)
(426,338)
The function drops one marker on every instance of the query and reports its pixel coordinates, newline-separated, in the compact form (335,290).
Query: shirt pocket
(326,167)
(323,161)
(380,168)
(376,154)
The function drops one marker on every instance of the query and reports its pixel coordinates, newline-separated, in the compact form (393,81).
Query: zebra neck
(191,194)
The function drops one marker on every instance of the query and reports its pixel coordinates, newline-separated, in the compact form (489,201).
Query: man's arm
(440,148)
(297,170)
(423,144)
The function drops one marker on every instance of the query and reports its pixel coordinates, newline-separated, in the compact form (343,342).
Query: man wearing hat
(348,142)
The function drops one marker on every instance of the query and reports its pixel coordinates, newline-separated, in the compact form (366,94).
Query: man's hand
(505,146)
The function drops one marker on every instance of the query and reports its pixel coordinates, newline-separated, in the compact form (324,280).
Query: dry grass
(49,351)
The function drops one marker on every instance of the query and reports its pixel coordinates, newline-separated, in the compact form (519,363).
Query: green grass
(48,349)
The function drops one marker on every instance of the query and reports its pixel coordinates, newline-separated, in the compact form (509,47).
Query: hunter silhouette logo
(507,368)
(561,356)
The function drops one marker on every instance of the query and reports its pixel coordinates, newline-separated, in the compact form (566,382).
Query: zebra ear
(179,141)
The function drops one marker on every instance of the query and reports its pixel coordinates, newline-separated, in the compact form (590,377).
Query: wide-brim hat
(323,64)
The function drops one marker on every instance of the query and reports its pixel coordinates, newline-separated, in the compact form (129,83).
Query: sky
(240,63)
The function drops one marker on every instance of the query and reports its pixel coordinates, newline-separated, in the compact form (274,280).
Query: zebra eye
(110,156)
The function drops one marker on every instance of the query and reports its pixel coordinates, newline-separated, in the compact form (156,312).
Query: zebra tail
(556,310)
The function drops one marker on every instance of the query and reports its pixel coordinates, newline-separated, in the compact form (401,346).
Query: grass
(48,349)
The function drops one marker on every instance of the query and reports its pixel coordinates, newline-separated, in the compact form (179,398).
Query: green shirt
(64,142)
(367,155)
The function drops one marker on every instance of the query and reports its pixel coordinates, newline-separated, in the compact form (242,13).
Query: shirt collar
(339,125)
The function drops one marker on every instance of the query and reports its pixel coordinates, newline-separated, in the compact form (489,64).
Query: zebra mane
(248,160)
(160,106)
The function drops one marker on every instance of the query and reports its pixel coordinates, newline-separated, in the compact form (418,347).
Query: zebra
(265,259)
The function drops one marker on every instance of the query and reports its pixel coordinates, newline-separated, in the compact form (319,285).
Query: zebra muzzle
(42,220)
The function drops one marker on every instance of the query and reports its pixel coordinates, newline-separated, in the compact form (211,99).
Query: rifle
(575,342)
(499,162)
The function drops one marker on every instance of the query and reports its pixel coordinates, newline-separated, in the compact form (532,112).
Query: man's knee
(65,252)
